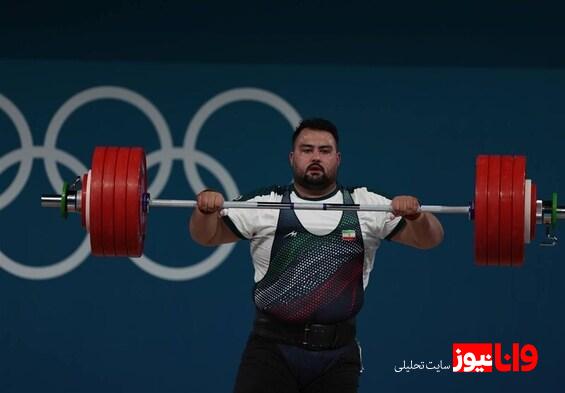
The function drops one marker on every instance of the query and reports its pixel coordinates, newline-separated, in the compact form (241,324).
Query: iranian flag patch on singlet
(348,234)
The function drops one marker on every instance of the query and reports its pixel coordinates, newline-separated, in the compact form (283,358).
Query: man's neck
(310,193)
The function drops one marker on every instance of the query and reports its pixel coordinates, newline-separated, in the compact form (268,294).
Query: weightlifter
(311,267)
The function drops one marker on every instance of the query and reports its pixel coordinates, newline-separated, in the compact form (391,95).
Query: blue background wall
(410,124)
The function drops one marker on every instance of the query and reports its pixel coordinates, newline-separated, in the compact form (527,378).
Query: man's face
(314,159)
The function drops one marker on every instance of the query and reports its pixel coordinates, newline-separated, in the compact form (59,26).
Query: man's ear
(338,158)
(290,158)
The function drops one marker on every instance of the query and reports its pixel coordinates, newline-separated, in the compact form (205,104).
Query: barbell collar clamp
(73,201)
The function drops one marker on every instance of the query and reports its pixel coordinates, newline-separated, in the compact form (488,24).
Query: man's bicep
(225,234)
(406,236)
(402,236)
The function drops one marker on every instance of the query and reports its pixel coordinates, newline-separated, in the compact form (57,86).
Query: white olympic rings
(188,153)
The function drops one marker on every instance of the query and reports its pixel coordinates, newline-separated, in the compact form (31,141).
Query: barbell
(113,203)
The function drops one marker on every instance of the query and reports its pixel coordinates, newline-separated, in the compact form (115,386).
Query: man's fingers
(405,205)
(209,202)
(218,202)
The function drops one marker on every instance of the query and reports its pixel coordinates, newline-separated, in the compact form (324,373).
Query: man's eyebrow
(320,146)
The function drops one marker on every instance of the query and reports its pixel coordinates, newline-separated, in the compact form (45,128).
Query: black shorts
(268,366)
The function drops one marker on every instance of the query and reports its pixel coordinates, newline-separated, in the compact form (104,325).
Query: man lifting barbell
(310,268)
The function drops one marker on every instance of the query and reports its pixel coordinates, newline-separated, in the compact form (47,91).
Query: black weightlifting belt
(312,336)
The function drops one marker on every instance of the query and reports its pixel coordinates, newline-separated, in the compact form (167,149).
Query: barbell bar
(113,202)
(307,206)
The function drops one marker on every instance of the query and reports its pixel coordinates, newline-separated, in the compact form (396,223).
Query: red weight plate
(83,196)
(142,190)
(481,213)
(95,213)
(493,208)
(533,212)
(518,200)
(108,201)
(527,210)
(120,190)
(87,205)
(136,187)
(505,223)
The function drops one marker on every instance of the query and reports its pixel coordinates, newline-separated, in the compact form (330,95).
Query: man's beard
(319,182)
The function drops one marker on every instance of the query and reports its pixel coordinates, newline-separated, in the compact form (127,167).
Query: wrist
(413,217)
(206,190)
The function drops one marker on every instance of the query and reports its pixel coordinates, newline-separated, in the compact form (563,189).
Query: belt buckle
(305,336)
(322,333)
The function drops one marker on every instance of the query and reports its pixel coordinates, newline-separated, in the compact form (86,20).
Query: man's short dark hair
(319,124)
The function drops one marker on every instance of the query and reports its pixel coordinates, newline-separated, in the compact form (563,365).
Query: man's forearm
(204,227)
(427,230)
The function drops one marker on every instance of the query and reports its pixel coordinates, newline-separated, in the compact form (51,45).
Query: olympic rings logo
(165,156)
